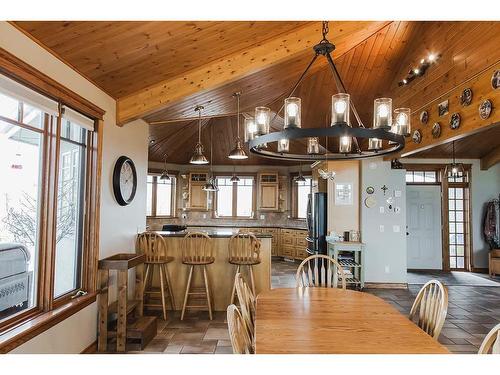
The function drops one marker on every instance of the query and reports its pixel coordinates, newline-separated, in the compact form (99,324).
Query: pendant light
(234,178)
(238,153)
(164,175)
(300,177)
(198,157)
(211,184)
(454,169)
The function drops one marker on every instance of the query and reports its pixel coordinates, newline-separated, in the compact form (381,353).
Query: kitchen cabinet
(198,199)
(268,193)
(293,244)
(274,232)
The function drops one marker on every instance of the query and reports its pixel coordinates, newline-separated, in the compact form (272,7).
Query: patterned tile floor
(472,312)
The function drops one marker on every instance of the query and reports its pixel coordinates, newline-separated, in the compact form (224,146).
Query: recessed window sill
(17,335)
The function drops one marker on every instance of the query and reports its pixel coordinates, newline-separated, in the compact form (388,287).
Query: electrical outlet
(262,217)
(382,228)
(381,209)
(184,216)
(387,269)
(204,216)
(396,228)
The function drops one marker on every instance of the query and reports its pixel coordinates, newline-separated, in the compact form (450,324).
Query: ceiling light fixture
(234,178)
(164,175)
(238,153)
(420,70)
(300,177)
(211,184)
(454,169)
(275,145)
(198,157)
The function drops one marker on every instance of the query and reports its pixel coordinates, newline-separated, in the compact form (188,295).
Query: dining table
(335,321)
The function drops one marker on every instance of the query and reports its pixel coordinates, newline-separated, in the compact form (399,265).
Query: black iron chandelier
(384,137)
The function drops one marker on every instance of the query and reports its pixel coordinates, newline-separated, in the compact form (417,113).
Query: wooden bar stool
(244,250)
(154,247)
(197,250)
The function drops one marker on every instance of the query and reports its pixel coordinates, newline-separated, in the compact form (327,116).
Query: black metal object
(316,223)
(123,201)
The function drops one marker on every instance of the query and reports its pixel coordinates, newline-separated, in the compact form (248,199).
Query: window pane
(460,262)
(149,196)
(303,190)
(459,193)
(20,198)
(164,197)
(430,177)
(224,197)
(453,262)
(9,107)
(418,176)
(32,116)
(460,250)
(409,176)
(453,250)
(459,216)
(451,193)
(69,226)
(244,197)
(459,205)
(452,216)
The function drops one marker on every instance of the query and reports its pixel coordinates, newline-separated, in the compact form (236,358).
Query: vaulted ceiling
(134,60)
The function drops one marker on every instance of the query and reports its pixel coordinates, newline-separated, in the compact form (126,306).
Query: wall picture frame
(443,108)
(343,194)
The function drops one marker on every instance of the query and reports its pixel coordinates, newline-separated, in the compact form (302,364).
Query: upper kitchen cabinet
(268,193)
(198,199)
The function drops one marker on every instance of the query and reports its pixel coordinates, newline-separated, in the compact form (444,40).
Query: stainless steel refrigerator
(317,223)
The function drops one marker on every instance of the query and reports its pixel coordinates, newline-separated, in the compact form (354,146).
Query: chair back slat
(240,340)
(247,303)
(320,271)
(197,248)
(152,245)
(431,306)
(491,343)
(244,248)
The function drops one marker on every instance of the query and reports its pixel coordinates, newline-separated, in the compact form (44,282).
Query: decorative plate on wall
(436,130)
(417,136)
(443,108)
(495,79)
(371,201)
(466,97)
(485,109)
(424,117)
(370,190)
(455,120)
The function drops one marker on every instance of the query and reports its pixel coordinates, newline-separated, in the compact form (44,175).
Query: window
(421,177)
(301,191)
(48,207)
(160,196)
(235,199)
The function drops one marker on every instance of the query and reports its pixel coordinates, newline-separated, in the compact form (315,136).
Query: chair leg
(252,281)
(208,292)
(234,284)
(162,292)
(169,286)
(188,286)
(144,288)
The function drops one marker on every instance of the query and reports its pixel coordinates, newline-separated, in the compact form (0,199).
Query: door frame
(445,235)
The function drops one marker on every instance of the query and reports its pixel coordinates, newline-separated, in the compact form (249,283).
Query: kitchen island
(221,272)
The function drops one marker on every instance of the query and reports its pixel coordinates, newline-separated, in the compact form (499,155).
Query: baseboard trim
(480,270)
(91,349)
(386,285)
(425,270)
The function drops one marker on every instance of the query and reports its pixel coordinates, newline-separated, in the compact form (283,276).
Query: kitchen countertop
(247,226)
(214,233)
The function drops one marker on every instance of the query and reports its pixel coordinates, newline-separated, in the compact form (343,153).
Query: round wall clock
(485,109)
(455,120)
(124,180)
(424,117)
(466,97)
(436,130)
(417,136)
(495,79)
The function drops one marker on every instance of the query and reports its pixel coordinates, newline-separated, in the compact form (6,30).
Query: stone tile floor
(472,312)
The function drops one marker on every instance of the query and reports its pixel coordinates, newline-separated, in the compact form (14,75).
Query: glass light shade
(345,144)
(211,185)
(238,153)
(300,178)
(340,108)
(250,129)
(374,144)
(455,170)
(402,118)
(198,157)
(164,176)
(234,178)
(262,120)
(283,145)
(292,112)
(313,146)
(382,113)
(394,129)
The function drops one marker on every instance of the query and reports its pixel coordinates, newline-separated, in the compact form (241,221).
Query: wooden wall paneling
(491,158)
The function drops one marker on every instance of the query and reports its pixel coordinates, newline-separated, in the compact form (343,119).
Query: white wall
(118,224)
(385,252)
(485,185)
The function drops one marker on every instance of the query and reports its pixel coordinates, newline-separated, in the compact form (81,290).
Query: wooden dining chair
(240,340)
(244,250)
(197,252)
(430,307)
(491,343)
(320,271)
(247,303)
(155,248)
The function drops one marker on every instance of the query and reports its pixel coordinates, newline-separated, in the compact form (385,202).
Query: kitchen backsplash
(201,218)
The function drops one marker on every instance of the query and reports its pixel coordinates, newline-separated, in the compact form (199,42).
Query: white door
(423,218)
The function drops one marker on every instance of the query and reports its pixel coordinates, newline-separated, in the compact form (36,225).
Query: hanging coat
(490,225)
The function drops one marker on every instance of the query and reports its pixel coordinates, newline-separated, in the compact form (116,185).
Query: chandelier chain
(324,29)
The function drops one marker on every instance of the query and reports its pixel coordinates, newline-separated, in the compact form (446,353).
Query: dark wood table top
(327,320)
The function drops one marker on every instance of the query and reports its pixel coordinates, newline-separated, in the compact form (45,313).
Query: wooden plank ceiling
(124,58)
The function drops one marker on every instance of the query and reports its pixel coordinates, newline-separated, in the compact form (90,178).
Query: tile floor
(472,312)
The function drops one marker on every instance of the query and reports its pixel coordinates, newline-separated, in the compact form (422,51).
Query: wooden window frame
(295,195)
(234,205)
(48,310)
(173,197)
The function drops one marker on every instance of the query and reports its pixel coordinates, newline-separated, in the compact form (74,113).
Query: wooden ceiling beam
(490,159)
(345,35)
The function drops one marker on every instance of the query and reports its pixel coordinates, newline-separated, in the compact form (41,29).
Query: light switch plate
(381,228)
(204,216)
(381,209)
(396,228)
(397,193)
(262,217)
